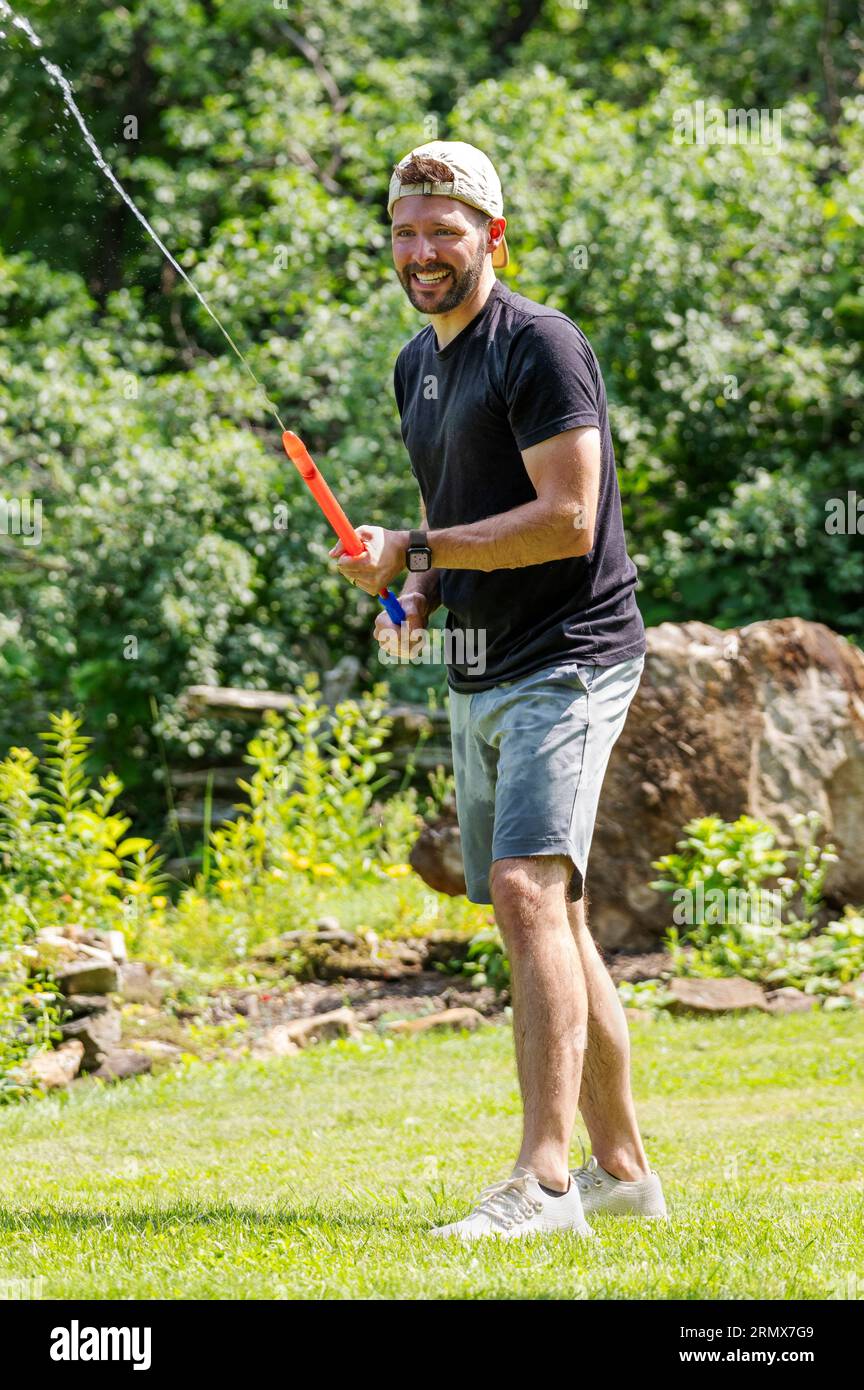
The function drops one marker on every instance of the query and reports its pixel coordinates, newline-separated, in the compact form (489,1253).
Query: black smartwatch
(418,554)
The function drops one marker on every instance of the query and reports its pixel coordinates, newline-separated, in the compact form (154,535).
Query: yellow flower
(224,885)
(323,870)
(397,870)
(302,863)
(160,903)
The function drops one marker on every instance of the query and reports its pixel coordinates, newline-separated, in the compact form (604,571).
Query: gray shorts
(529,758)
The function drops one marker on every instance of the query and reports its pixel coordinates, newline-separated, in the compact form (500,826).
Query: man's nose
(425,250)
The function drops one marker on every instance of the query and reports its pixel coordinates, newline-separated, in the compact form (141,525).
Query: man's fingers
(359,564)
(383,620)
(391,636)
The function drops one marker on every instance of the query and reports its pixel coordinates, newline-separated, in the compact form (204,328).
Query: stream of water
(58,79)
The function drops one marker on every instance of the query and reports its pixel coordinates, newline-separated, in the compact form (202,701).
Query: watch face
(418,562)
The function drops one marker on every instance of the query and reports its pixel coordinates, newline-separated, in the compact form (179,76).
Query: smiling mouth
(429,279)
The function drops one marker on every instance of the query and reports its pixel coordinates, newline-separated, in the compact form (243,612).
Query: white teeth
(428,279)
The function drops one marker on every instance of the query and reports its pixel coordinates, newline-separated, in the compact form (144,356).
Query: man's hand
(382,560)
(396,641)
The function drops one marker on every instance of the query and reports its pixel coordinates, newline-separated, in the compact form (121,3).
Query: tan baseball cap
(474,182)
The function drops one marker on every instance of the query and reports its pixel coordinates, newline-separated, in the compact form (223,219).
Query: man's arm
(557,525)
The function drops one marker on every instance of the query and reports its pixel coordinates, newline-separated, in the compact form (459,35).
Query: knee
(516,893)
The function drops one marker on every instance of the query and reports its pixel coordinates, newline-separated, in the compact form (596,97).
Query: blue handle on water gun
(395,611)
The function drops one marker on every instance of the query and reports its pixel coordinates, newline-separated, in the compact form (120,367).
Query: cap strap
(405,189)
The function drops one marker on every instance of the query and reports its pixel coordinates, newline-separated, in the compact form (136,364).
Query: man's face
(438,251)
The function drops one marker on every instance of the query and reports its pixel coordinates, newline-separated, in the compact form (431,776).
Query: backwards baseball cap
(474,181)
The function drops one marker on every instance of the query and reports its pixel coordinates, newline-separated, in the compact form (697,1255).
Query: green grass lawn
(317,1176)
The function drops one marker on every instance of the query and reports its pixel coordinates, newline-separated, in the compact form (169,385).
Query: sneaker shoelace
(586,1174)
(508,1202)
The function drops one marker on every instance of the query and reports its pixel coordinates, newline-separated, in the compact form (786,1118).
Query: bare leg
(605,1098)
(549,1004)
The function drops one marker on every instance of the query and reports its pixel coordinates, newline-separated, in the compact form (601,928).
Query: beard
(458,288)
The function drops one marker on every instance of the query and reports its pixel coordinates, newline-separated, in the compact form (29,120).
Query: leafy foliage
(29,1016)
(719,284)
(311,837)
(486,961)
(66,858)
(315,835)
(751,908)
(310,794)
(66,854)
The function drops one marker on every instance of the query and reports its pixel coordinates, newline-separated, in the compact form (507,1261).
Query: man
(504,418)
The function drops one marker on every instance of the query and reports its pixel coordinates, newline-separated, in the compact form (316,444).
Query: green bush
(309,797)
(312,838)
(745,906)
(650,995)
(486,961)
(65,851)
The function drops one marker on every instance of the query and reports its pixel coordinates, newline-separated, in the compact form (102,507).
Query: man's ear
(496,229)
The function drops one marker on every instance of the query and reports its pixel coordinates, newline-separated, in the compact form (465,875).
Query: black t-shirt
(517,374)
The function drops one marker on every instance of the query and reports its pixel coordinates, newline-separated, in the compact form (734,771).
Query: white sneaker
(601,1192)
(518,1206)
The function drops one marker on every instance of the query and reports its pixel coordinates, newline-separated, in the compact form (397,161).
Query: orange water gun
(309,472)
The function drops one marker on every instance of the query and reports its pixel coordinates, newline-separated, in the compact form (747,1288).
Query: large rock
(690,995)
(52,1070)
(80,1005)
(427,1023)
(766,720)
(437,854)
(139,985)
(121,1063)
(93,975)
(338,1023)
(287,1038)
(276,1042)
(789,1000)
(99,1033)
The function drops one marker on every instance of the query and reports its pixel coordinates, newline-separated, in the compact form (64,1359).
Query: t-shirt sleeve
(550,383)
